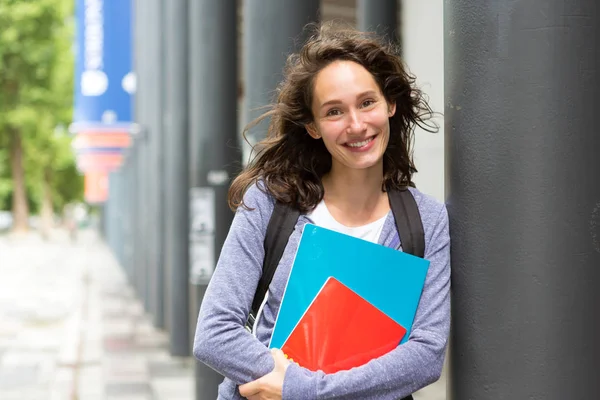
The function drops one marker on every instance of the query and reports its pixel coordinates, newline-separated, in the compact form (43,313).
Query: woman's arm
(221,341)
(412,365)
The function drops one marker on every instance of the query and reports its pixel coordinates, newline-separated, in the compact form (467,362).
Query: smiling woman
(351,115)
(339,142)
(335,69)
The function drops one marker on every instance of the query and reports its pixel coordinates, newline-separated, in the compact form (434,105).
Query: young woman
(339,139)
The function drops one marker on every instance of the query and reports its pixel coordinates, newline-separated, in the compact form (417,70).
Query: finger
(250,388)
(277,352)
(279,357)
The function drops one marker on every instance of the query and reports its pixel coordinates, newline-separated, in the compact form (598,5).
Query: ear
(391,110)
(312,130)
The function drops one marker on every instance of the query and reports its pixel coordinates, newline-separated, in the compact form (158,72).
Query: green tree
(36,73)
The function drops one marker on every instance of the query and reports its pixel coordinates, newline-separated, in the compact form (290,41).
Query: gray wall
(423,49)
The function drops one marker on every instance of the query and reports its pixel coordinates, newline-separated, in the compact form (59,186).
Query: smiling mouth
(356,145)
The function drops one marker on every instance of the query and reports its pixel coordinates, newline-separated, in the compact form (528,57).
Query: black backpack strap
(281,225)
(408,221)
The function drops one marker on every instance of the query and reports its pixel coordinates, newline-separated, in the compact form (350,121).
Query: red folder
(341,330)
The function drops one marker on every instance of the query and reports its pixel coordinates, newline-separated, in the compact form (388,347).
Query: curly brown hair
(288,162)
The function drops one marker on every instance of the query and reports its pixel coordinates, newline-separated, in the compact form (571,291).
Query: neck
(356,194)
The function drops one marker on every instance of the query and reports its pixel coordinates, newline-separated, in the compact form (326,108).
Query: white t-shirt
(323,218)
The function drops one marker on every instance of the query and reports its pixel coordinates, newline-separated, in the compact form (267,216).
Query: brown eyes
(367,103)
(335,112)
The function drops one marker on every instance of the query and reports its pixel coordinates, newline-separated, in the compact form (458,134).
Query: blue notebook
(389,279)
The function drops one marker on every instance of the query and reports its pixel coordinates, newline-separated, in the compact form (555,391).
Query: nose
(356,124)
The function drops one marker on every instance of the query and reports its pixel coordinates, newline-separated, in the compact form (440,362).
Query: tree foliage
(36,97)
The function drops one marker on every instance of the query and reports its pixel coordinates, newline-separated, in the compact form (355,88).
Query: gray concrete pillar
(153,209)
(524,198)
(215,157)
(177,174)
(132,188)
(122,214)
(271,30)
(380,16)
(141,46)
(116,204)
(110,211)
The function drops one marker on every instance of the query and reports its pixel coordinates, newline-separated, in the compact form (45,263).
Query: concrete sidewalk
(71,328)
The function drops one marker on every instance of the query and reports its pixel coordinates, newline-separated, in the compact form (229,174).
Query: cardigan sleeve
(221,340)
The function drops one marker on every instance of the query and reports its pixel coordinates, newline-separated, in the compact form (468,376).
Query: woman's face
(351,115)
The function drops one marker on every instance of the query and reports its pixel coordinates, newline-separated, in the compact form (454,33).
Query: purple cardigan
(222,342)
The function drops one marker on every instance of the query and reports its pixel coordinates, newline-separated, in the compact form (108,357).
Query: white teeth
(360,144)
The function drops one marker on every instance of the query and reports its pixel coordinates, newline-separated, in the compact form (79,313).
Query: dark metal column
(522,82)
(177,174)
(272,29)
(214,150)
(380,16)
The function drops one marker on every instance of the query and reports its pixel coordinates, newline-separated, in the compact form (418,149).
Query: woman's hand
(270,386)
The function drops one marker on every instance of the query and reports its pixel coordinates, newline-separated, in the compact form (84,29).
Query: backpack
(284,218)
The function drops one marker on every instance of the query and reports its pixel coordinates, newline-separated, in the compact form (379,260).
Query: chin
(366,164)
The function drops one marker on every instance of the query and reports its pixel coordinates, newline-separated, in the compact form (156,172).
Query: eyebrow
(336,101)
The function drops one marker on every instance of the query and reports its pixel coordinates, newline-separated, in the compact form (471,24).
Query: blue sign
(104,80)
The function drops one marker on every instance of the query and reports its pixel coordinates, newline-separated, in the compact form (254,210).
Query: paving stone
(18,376)
(90,383)
(128,389)
(131,397)
(26,394)
(174,389)
(148,341)
(118,327)
(125,367)
(91,396)
(25,357)
(118,343)
(167,369)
